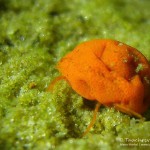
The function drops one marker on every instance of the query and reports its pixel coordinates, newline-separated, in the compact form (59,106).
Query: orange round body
(110,72)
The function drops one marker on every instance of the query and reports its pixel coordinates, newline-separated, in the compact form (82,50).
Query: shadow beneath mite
(88,104)
(147,115)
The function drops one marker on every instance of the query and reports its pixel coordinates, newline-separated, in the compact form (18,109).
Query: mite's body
(110,72)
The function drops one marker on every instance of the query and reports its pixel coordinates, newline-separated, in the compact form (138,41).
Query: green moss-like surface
(35,34)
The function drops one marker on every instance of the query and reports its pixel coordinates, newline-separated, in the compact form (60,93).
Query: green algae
(139,68)
(34,36)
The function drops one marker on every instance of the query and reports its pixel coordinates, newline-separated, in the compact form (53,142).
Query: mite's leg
(93,120)
(128,111)
(50,87)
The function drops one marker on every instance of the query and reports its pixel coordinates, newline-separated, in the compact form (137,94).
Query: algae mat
(35,34)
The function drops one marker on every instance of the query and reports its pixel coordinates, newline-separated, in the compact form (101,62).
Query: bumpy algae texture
(34,35)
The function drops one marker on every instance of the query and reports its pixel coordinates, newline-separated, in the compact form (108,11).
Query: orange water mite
(109,72)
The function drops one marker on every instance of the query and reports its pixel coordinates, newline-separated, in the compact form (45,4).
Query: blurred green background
(34,36)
